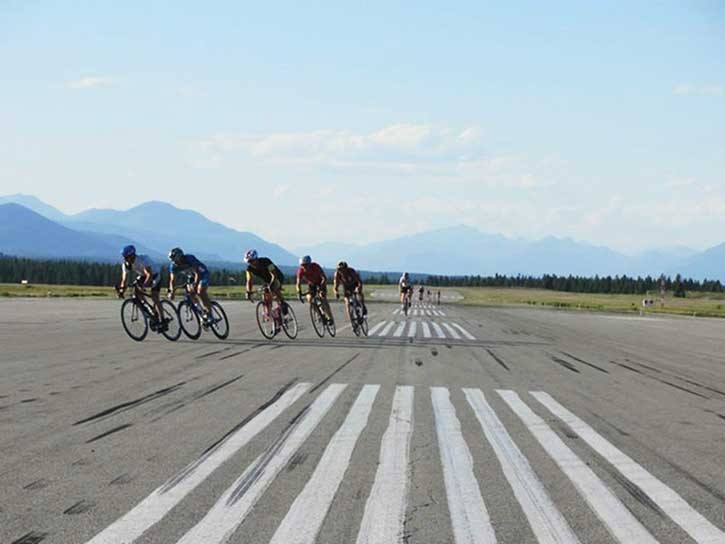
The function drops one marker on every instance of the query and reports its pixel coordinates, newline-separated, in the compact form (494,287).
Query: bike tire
(353,319)
(189,320)
(364,326)
(289,323)
(173,332)
(265,321)
(317,320)
(331,328)
(132,323)
(220,326)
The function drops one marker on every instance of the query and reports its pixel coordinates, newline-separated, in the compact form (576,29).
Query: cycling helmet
(306,259)
(342,265)
(405,275)
(128,251)
(250,255)
(176,254)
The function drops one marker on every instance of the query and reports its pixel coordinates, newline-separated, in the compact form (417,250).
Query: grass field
(698,304)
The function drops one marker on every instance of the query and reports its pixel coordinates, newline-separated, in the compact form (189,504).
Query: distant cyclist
(314,275)
(268,272)
(349,279)
(141,267)
(421,290)
(405,287)
(190,265)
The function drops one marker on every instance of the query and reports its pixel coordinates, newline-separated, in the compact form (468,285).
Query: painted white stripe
(696,525)
(385,508)
(412,329)
(623,526)
(429,313)
(439,331)
(547,523)
(386,330)
(376,327)
(154,507)
(415,312)
(396,311)
(399,330)
(304,518)
(464,331)
(469,517)
(442,314)
(452,331)
(426,329)
(219,524)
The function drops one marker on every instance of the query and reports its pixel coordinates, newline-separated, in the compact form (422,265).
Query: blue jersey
(188,263)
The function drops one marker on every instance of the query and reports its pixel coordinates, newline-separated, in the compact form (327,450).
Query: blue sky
(310,122)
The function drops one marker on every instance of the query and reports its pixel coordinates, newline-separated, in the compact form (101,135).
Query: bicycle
(317,314)
(270,318)
(358,319)
(138,315)
(191,316)
(406,302)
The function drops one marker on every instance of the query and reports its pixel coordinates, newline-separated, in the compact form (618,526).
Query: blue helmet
(250,255)
(128,251)
(306,259)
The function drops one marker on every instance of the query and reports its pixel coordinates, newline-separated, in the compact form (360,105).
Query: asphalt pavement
(453,424)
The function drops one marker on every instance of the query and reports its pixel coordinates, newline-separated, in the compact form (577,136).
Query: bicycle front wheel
(364,326)
(172,330)
(353,319)
(265,321)
(331,328)
(219,323)
(289,323)
(318,322)
(189,320)
(134,320)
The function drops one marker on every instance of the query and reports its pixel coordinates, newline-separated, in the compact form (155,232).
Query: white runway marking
(304,518)
(451,331)
(399,330)
(439,331)
(219,524)
(411,330)
(154,507)
(469,517)
(375,328)
(623,526)
(396,311)
(545,520)
(387,328)
(428,313)
(464,331)
(385,509)
(696,525)
(426,329)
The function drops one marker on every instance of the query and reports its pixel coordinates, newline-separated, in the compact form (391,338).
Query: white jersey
(139,266)
(404,282)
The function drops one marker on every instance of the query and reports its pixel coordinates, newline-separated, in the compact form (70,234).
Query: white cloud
(90,82)
(401,145)
(686,89)
(280,190)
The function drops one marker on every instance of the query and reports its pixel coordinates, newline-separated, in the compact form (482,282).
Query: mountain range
(30,227)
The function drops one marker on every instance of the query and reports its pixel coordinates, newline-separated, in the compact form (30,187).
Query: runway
(453,424)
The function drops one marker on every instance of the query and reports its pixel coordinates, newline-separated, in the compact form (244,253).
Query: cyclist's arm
(249,282)
(274,276)
(197,276)
(336,282)
(171,282)
(148,274)
(298,280)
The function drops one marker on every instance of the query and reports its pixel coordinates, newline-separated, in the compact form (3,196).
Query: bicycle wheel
(173,325)
(353,319)
(220,323)
(289,323)
(331,328)
(265,321)
(134,320)
(364,326)
(189,320)
(318,323)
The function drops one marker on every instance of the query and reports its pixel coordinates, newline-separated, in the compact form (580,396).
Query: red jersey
(312,273)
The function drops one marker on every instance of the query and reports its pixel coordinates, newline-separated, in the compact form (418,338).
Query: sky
(309,122)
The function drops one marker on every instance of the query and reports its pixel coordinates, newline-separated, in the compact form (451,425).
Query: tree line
(17,269)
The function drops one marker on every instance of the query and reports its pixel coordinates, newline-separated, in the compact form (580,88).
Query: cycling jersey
(263,268)
(190,265)
(139,266)
(404,284)
(312,273)
(348,278)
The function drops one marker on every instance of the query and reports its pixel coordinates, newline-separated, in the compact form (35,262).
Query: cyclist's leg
(322,291)
(156,297)
(361,295)
(276,290)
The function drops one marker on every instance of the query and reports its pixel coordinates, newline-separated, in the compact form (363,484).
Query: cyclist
(351,283)
(188,265)
(405,288)
(141,267)
(267,271)
(421,290)
(316,280)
